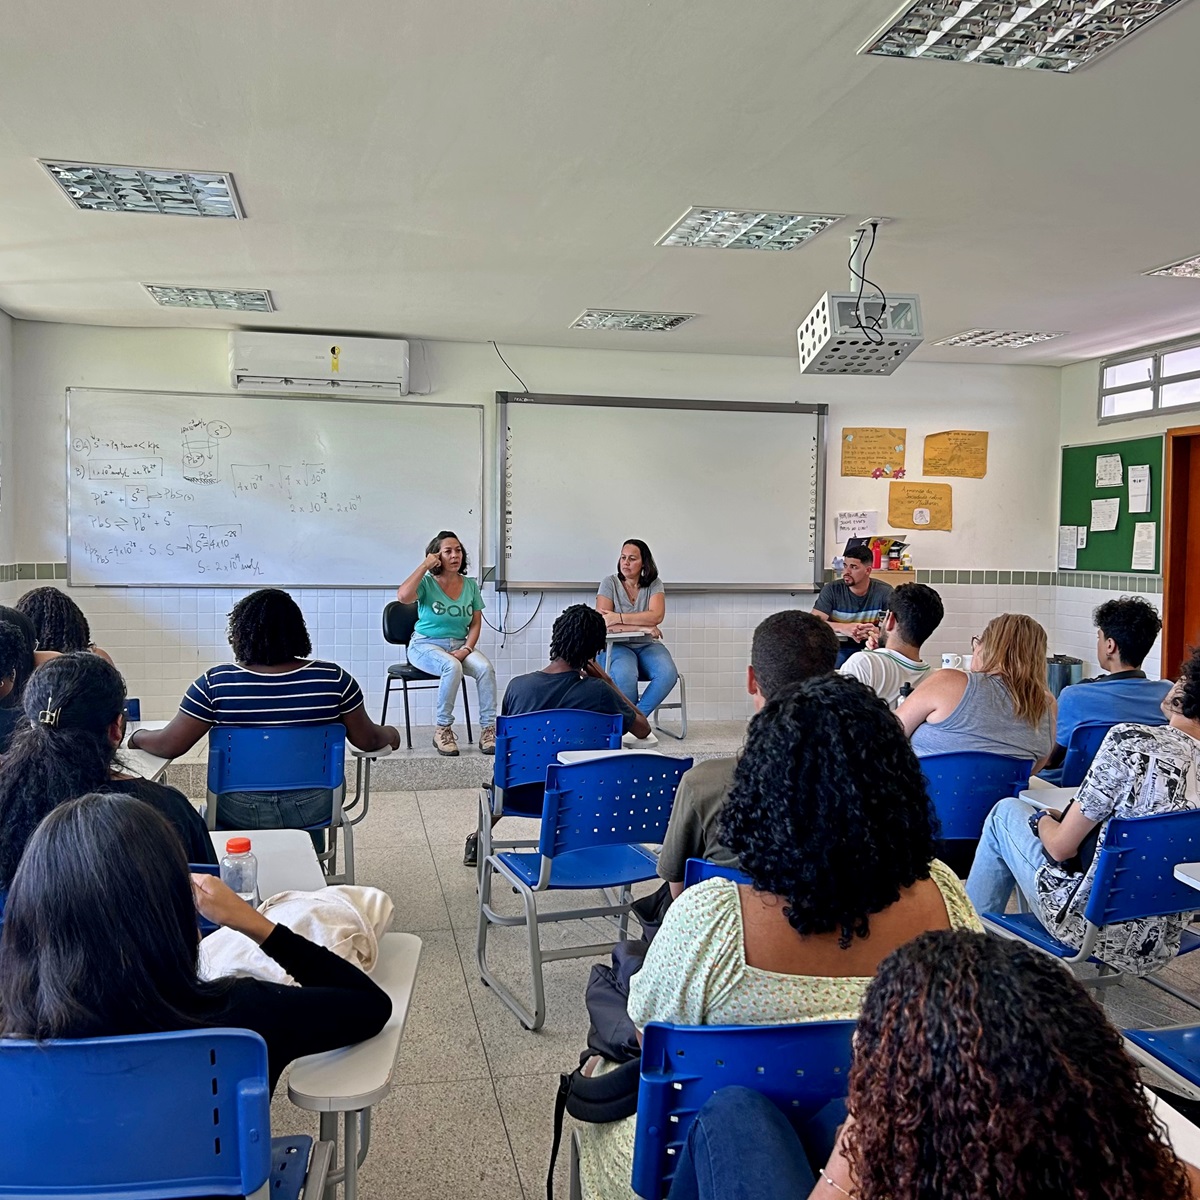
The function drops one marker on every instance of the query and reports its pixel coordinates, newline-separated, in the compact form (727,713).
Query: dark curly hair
(649,572)
(1185,698)
(48,763)
(811,823)
(1131,622)
(58,621)
(435,546)
(982,1068)
(24,626)
(267,628)
(918,610)
(14,649)
(577,636)
(790,646)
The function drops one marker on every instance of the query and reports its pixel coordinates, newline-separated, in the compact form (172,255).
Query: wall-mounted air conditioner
(318,365)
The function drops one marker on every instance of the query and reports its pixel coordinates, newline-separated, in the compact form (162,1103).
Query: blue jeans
(433,655)
(651,659)
(1008,856)
(741,1147)
(296,809)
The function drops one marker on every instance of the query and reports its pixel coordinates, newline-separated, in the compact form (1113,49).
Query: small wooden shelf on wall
(894,578)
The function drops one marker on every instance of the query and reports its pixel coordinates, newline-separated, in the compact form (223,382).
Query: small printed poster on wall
(875,453)
(958,452)
(920,506)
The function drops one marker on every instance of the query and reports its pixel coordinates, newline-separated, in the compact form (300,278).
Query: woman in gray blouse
(633,601)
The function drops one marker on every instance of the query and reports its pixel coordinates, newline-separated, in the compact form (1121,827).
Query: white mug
(952,660)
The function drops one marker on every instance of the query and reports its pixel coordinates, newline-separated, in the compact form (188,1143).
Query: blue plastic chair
(799,1067)
(696,870)
(1135,877)
(597,818)
(146,1117)
(526,745)
(281,758)
(1172,1054)
(964,787)
(1081,749)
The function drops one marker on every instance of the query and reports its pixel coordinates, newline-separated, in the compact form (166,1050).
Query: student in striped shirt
(272,682)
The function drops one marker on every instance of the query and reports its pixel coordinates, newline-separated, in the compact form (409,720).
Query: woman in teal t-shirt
(449,618)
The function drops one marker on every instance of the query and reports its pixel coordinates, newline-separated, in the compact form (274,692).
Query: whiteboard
(251,491)
(727,495)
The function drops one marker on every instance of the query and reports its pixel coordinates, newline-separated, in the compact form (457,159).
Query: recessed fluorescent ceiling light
(1044,35)
(745,229)
(98,187)
(1009,338)
(199,297)
(1188,268)
(642,322)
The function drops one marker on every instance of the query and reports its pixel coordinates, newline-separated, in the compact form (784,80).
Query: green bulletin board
(1111,550)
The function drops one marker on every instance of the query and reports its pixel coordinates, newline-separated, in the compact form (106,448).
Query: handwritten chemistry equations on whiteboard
(248,491)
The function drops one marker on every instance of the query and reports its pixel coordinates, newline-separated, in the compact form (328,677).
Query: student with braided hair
(58,621)
(572,679)
(66,746)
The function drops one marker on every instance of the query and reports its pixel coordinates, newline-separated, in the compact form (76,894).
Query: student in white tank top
(914,612)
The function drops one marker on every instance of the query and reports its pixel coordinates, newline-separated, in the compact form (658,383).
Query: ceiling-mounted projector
(849,333)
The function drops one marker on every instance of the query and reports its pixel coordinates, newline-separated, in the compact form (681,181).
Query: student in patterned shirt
(272,682)
(1051,857)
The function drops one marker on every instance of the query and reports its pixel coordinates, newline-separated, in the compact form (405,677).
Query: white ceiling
(489,168)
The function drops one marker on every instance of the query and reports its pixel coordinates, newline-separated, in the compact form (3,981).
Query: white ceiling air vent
(320,364)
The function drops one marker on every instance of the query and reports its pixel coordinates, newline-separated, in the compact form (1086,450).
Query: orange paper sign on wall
(873,452)
(920,506)
(959,452)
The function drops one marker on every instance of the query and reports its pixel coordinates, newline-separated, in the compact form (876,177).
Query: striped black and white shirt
(311,694)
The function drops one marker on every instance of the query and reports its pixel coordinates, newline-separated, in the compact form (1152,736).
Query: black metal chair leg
(407,721)
(467,710)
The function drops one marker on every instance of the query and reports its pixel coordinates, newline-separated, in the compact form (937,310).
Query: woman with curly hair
(842,865)
(1052,857)
(58,621)
(981,1069)
(1000,706)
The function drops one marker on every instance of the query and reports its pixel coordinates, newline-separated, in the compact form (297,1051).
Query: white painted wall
(163,637)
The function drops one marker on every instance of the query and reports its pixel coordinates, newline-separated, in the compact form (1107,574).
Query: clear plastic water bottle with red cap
(239,870)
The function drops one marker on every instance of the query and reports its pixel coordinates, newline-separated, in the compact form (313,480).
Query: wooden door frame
(1174,543)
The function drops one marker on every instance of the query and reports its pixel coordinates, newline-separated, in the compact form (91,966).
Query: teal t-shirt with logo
(440,617)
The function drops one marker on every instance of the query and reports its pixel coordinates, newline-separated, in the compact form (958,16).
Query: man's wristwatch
(1034,818)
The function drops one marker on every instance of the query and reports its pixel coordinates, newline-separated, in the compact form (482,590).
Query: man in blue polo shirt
(1125,631)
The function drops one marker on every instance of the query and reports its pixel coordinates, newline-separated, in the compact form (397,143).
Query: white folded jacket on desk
(347,920)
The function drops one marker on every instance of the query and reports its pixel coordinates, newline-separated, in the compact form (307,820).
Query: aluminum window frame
(1155,383)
